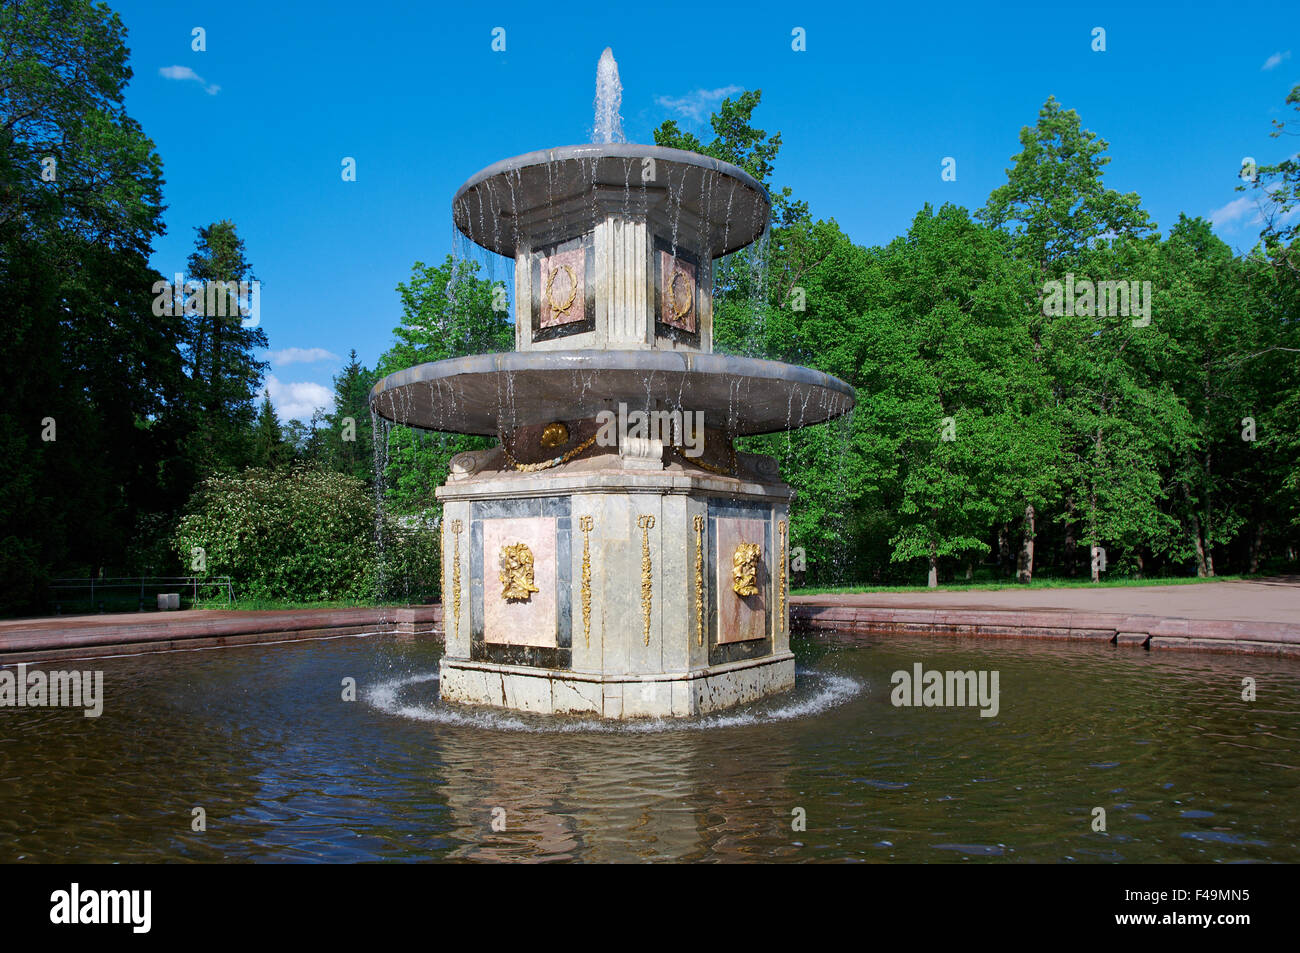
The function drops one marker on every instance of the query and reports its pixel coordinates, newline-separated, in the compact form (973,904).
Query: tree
(269,446)
(1056,209)
(94,379)
(348,435)
(224,375)
(961,384)
(1278,188)
(1054,203)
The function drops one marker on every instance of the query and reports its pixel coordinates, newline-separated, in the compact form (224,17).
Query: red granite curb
(46,639)
(1143,631)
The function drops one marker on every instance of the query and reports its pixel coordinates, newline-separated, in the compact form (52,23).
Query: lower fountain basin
(490,394)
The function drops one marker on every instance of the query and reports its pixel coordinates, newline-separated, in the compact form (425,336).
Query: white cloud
(1235,210)
(301,355)
(1276,60)
(1251,209)
(185,73)
(297,399)
(699,104)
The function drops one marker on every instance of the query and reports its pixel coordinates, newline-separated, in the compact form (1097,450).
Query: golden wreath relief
(744,569)
(517,572)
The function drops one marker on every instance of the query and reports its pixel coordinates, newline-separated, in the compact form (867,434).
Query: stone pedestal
(630,606)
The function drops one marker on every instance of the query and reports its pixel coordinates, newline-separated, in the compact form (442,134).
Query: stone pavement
(1257,616)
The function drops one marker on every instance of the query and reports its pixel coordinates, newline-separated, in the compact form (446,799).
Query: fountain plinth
(613,554)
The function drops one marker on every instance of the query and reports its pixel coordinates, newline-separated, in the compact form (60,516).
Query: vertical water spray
(609,99)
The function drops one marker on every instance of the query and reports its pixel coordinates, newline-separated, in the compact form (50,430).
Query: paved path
(1259,617)
(1275,600)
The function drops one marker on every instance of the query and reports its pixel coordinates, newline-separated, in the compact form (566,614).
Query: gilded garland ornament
(646,523)
(781,585)
(456,527)
(573,290)
(517,573)
(585,524)
(699,579)
(730,470)
(545,464)
(744,569)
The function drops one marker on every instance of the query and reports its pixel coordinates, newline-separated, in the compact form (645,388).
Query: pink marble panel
(677,300)
(740,618)
(520,622)
(567,287)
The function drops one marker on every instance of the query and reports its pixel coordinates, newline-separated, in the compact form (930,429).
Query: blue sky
(255,128)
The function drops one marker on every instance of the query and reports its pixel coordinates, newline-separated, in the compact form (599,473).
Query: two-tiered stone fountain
(599,560)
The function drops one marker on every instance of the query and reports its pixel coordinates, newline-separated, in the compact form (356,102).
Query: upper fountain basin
(494,394)
(549,195)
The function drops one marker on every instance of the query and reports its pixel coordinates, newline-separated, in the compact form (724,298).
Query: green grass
(263,605)
(986,586)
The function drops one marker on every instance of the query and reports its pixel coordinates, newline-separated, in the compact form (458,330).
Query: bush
(292,533)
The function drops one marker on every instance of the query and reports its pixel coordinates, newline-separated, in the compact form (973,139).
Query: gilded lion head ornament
(744,569)
(517,572)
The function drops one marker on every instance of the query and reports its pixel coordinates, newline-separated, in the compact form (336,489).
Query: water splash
(815,692)
(609,99)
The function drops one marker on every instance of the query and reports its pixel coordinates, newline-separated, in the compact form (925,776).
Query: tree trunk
(1256,546)
(1071,545)
(1195,531)
(1209,519)
(933,581)
(1092,528)
(1025,565)
(970,570)
(1200,546)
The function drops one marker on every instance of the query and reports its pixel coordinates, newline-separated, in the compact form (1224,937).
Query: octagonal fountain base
(663,695)
(618,584)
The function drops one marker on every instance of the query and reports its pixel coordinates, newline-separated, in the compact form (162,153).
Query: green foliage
(1278,187)
(289,533)
(1070,429)
(446,312)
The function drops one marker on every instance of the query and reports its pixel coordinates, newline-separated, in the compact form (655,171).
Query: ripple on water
(818,692)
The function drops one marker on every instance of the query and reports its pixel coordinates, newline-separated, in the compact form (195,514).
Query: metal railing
(64,590)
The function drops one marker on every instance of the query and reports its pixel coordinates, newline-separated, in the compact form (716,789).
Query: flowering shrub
(300,534)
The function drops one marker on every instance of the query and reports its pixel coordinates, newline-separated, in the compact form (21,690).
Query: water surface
(260,738)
